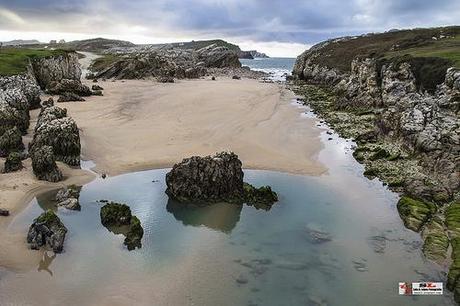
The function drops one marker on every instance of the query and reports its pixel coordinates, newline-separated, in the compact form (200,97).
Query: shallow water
(331,240)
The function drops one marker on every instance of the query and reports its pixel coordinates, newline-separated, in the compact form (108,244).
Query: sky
(277,27)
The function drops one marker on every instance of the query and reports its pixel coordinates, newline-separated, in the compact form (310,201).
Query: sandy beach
(139,125)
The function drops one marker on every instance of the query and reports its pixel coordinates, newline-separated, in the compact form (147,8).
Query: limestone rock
(70,97)
(11,141)
(66,86)
(47,230)
(44,164)
(13,163)
(68,197)
(26,85)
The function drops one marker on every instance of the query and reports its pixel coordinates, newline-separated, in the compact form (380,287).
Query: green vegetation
(204,43)
(134,235)
(103,62)
(15,60)
(48,217)
(415,213)
(262,197)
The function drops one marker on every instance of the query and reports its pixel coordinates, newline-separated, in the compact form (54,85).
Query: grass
(15,60)
(103,62)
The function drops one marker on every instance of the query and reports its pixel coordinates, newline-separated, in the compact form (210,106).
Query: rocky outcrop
(148,62)
(47,231)
(10,141)
(44,164)
(13,163)
(56,130)
(26,85)
(14,110)
(68,197)
(251,54)
(212,179)
(48,70)
(68,86)
(118,215)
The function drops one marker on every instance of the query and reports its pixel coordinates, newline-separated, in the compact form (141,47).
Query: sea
(277,67)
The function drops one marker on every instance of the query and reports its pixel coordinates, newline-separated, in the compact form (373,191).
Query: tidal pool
(335,239)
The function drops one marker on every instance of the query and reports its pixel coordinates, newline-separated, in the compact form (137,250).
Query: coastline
(199,117)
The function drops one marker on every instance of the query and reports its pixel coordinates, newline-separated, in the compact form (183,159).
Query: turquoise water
(277,67)
(335,239)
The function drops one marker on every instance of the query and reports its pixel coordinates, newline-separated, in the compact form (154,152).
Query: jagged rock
(59,132)
(116,215)
(56,68)
(436,240)
(66,86)
(218,57)
(44,164)
(217,178)
(15,110)
(11,141)
(68,197)
(96,87)
(166,79)
(48,103)
(13,162)
(97,93)
(4,212)
(26,85)
(47,230)
(70,97)
(235,77)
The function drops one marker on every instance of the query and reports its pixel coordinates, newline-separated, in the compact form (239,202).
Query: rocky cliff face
(53,69)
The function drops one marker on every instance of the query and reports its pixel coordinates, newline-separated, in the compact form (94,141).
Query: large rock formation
(26,85)
(145,62)
(211,179)
(14,110)
(44,164)
(47,230)
(60,132)
(10,141)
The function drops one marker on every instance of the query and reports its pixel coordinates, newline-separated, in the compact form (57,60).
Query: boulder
(47,231)
(44,164)
(165,79)
(26,85)
(48,103)
(68,197)
(10,141)
(15,110)
(212,179)
(70,97)
(13,162)
(4,212)
(96,87)
(115,214)
(134,235)
(69,86)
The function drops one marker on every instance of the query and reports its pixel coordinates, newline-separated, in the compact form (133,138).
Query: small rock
(97,93)
(13,162)
(70,97)
(242,280)
(213,78)
(47,230)
(235,77)
(104,175)
(4,212)
(97,87)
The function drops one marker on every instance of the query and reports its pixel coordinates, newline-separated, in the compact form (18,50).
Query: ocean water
(277,67)
(335,239)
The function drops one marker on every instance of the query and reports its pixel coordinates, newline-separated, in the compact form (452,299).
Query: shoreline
(271,118)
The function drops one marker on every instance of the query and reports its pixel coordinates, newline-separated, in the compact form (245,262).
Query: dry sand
(139,125)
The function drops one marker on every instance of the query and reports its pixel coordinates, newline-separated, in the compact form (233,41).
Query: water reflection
(220,216)
(45,262)
(47,200)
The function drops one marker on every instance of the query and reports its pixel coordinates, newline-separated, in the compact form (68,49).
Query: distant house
(62,41)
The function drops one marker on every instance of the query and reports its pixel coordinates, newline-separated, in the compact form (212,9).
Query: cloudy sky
(278,27)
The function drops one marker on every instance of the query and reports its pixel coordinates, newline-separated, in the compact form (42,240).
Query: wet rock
(360,265)
(4,212)
(70,97)
(261,198)
(415,213)
(436,241)
(97,93)
(48,103)
(96,87)
(10,141)
(47,231)
(378,243)
(166,79)
(235,77)
(115,214)
(13,163)
(44,164)
(241,280)
(69,86)
(68,197)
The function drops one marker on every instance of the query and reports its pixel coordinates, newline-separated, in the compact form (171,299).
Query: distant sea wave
(277,67)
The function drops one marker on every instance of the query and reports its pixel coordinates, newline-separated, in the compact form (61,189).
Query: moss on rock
(415,213)
(13,162)
(134,235)
(436,240)
(115,214)
(262,197)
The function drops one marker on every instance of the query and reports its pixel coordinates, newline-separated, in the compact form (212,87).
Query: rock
(4,212)
(436,241)
(96,87)
(47,230)
(235,77)
(48,103)
(26,85)
(415,213)
(166,80)
(14,110)
(134,235)
(11,141)
(13,162)
(317,236)
(69,97)
(60,132)
(115,214)
(68,197)
(66,86)
(212,179)
(44,164)
(47,70)
(213,78)
(97,93)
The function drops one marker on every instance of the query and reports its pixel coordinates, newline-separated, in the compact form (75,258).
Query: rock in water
(10,141)
(212,179)
(47,230)
(415,213)
(13,162)
(206,179)
(68,197)
(44,164)
(115,214)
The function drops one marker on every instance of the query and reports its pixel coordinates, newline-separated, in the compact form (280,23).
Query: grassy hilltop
(15,60)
